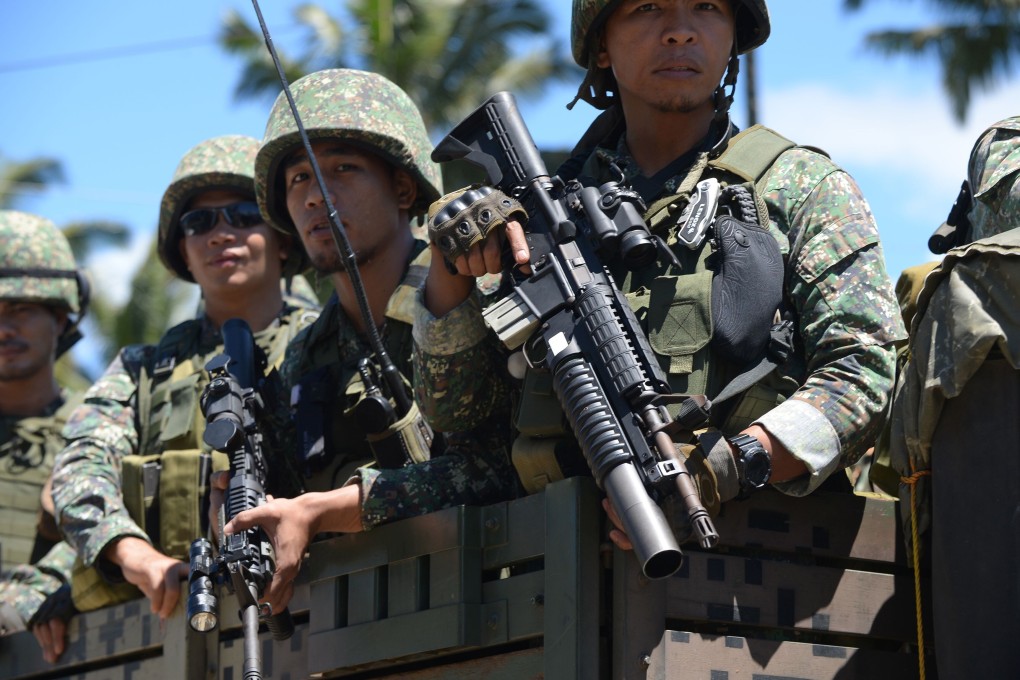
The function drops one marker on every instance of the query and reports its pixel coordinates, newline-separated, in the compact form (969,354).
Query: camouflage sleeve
(459,368)
(28,587)
(475,469)
(87,474)
(847,317)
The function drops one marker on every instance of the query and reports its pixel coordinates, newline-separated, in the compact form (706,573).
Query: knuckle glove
(462,219)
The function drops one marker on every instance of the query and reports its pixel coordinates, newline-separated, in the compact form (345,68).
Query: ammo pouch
(167,495)
(544,450)
(175,417)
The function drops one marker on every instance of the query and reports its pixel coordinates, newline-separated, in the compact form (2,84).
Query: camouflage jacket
(109,424)
(333,345)
(25,444)
(965,311)
(836,285)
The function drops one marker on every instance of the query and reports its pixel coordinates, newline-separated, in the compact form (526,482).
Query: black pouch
(747,289)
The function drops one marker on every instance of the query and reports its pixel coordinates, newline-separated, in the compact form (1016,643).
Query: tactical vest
(332,440)
(165,489)
(28,449)
(676,313)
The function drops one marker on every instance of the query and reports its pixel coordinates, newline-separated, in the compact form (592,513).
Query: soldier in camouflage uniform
(43,297)
(140,426)
(656,69)
(955,432)
(371,144)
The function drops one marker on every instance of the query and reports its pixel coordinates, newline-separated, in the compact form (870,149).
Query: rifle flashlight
(202,605)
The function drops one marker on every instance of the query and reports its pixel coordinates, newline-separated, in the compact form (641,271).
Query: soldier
(370,142)
(43,298)
(664,73)
(954,430)
(140,427)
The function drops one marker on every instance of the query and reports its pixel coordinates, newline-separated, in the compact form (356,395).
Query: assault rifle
(234,403)
(572,320)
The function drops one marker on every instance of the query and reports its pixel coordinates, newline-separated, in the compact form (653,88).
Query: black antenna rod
(390,373)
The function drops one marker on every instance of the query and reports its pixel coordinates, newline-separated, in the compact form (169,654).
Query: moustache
(13,344)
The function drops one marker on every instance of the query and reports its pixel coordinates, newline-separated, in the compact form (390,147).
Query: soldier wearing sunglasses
(140,427)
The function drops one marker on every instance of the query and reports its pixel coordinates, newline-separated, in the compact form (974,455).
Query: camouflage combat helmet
(225,162)
(37,265)
(362,108)
(994,177)
(752,30)
(752,25)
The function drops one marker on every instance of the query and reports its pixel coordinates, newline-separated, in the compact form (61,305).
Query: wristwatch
(754,465)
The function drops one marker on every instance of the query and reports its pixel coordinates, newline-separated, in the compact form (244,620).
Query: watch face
(757,467)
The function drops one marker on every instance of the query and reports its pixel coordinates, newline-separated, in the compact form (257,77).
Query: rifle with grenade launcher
(570,318)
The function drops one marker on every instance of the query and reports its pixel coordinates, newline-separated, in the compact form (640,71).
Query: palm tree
(155,299)
(448,55)
(975,43)
(17,179)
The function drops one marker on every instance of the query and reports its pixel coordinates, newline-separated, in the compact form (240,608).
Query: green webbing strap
(751,153)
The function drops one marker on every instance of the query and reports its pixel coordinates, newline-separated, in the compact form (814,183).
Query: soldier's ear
(63,318)
(602,54)
(406,189)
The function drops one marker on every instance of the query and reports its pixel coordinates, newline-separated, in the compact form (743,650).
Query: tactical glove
(715,454)
(58,605)
(714,475)
(462,219)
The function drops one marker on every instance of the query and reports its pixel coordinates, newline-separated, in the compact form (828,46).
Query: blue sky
(121,124)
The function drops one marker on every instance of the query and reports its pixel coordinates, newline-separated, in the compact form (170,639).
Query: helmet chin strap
(72,334)
(723,101)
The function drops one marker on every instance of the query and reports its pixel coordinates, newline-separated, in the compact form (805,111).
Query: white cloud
(112,269)
(889,129)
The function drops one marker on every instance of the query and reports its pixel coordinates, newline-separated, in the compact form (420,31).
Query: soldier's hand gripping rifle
(572,320)
(233,403)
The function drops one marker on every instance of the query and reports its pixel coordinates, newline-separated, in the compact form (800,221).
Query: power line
(172,45)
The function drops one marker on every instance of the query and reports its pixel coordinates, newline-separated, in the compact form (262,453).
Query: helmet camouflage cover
(994,177)
(36,262)
(226,162)
(752,25)
(359,107)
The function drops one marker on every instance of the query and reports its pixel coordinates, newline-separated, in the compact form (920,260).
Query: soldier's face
(229,260)
(669,55)
(28,338)
(370,196)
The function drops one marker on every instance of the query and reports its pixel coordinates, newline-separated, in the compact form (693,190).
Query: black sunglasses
(243,215)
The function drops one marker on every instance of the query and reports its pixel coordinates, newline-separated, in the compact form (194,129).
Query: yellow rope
(911,481)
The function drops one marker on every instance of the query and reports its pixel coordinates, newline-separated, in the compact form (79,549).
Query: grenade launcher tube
(604,446)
